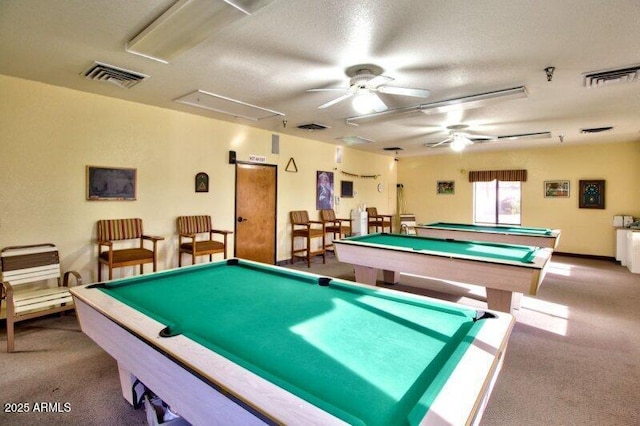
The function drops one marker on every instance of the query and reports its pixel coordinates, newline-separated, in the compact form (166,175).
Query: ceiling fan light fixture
(459,142)
(364,103)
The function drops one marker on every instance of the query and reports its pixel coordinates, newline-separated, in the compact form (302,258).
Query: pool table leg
(367,275)
(391,277)
(127,381)
(500,300)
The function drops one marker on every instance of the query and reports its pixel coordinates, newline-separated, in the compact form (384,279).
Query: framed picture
(202,182)
(591,194)
(556,188)
(346,189)
(324,190)
(111,183)
(446,187)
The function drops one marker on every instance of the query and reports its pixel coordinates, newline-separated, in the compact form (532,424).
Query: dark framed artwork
(111,183)
(202,182)
(324,190)
(592,194)
(556,189)
(446,187)
(346,189)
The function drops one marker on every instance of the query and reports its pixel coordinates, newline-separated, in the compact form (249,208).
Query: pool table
(240,342)
(503,269)
(526,236)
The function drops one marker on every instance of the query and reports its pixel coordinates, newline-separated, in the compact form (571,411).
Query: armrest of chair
(152,238)
(220,231)
(5,289)
(75,274)
(107,244)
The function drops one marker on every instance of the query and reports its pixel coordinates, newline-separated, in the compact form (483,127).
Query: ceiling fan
(459,139)
(366,80)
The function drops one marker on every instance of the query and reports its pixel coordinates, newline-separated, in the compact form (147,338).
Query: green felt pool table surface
(480,250)
(489,228)
(364,355)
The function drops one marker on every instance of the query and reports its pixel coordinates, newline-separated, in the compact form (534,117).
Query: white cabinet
(359,223)
(633,251)
(621,245)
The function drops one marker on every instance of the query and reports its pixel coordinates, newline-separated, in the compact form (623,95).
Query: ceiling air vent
(312,126)
(602,78)
(114,75)
(596,130)
(393,148)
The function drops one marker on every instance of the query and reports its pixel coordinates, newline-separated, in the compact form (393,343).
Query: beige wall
(50,134)
(584,231)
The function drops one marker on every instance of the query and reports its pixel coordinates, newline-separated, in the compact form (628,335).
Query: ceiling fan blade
(475,137)
(418,93)
(378,105)
(377,81)
(336,100)
(441,143)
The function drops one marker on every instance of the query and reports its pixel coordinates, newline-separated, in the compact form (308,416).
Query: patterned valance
(503,175)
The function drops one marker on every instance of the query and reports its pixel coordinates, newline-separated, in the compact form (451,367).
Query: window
(497,202)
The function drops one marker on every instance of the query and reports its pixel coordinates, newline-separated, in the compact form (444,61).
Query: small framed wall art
(556,188)
(591,194)
(202,182)
(446,187)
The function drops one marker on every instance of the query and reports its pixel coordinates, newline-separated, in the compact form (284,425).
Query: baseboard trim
(585,256)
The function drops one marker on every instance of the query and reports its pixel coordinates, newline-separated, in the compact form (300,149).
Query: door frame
(275,213)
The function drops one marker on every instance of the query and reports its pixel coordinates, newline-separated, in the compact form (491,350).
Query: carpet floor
(573,357)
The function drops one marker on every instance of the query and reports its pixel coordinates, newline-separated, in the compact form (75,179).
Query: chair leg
(308,251)
(99,271)
(10,334)
(292,253)
(324,249)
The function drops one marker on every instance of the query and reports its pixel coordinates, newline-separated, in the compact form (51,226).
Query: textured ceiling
(271,58)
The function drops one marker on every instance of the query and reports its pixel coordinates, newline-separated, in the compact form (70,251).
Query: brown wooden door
(256,192)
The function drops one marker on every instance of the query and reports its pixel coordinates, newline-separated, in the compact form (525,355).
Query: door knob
(242,219)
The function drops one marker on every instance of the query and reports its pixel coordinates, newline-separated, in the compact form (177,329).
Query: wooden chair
(189,227)
(118,230)
(378,221)
(333,225)
(408,224)
(302,227)
(26,274)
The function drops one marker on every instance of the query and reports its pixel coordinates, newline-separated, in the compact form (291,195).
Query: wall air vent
(312,126)
(603,78)
(110,74)
(596,130)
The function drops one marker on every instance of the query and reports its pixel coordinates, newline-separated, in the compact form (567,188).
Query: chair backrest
(299,217)
(27,264)
(193,224)
(327,215)
(119,229)
(372,211)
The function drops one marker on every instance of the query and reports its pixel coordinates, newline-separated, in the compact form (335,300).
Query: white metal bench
(26,273)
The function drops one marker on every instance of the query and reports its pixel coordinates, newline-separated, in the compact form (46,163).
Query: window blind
(502,175)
